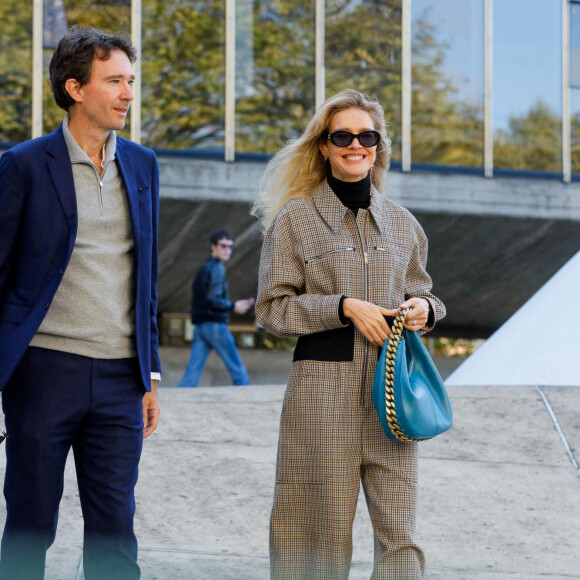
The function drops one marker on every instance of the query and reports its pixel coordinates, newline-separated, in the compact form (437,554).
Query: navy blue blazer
(38,226)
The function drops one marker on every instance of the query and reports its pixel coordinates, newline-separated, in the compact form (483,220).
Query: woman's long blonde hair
(297,170)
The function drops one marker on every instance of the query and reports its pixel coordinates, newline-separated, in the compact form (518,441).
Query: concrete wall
(493,242)
(429,192)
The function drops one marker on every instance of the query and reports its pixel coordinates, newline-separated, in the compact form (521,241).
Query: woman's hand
(417,318)
(369,319)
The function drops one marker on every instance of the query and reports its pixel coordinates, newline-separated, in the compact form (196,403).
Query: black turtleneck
(353,194)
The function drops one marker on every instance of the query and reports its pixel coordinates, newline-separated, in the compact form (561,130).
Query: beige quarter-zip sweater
(92,313)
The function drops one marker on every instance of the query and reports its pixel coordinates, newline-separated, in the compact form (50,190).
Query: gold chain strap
(394,339)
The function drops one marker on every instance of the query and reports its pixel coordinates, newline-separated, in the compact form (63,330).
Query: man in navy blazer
(79,356)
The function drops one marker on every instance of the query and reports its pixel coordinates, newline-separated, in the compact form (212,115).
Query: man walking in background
(210,312)
(78,303)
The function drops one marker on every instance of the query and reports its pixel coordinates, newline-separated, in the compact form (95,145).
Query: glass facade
(15,71)
(184,82)
(183,74)
(527,85)
(274,72)
(447,82)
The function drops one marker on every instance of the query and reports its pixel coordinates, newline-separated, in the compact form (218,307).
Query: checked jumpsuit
(331,439)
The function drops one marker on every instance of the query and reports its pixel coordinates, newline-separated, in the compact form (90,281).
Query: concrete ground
(499,494)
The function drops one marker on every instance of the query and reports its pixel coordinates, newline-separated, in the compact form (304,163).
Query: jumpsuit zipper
(366,287)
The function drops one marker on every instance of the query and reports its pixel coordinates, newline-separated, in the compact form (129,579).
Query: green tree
(15,70)
(183,78)
(533,141)
(575,123)
(277,100)
(183,73)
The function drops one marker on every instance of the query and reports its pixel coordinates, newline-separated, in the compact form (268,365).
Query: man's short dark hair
(74,56)
(219,235)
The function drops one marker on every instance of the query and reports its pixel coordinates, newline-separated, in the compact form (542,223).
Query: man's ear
(74,89)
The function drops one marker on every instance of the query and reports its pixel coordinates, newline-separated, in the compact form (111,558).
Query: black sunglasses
(342,138)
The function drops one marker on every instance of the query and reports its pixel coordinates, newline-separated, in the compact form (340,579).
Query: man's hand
(369,319)
(242,306)
(150,411)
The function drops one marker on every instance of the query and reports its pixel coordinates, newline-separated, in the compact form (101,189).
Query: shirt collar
(76,152)
(333,211)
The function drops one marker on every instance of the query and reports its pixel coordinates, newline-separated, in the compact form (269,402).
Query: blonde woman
(338,258)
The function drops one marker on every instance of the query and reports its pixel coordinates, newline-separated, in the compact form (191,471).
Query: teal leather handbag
(408,393)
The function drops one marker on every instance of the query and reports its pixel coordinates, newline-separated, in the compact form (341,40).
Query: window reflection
(183,74)
(575,84)
(107,15)
(527,85)
(15,70)
(274,72)
(447,82)
(363,52)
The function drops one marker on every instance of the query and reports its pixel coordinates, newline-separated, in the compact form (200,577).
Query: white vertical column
(406,84)
(37,47)
(566,124)
(488,89)
(230,121)
(136,24)
(320,69)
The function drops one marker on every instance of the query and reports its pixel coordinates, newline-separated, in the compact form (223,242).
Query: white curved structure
(538,345)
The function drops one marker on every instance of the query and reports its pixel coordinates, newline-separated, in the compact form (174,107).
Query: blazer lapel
(125,165)
(60,170)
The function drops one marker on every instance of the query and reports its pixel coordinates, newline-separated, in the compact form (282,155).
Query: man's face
(222,250)
(106,98)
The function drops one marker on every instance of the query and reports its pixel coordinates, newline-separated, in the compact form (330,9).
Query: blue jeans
(217,336)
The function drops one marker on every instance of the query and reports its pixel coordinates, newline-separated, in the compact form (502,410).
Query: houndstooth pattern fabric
(331,439)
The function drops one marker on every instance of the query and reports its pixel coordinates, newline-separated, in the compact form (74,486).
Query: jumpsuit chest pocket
(328,254)
(327,269)
(389,250)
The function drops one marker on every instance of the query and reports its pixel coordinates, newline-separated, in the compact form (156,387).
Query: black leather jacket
(211,299)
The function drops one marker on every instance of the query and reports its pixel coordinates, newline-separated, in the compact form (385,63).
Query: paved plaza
(499,493)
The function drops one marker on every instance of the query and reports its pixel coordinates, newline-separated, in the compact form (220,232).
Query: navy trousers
(55,401)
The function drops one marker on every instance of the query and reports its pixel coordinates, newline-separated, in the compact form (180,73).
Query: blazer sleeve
(12,197)
(154,332)
(283,306)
